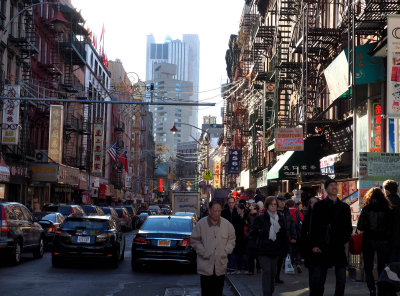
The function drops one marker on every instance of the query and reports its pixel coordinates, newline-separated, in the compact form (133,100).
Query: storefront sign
(376,128)
(217,173)
(262,180)
(56,132)
(393,65)
(83,181)
(352,201)
(68,175)
(289,139)
(102,191)
(4,174)
(98,149)
(10,126)
(234,161)
(44,172)
(327,165)
(247,180)
(379,166)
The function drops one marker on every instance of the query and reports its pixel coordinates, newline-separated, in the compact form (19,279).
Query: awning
(305,163)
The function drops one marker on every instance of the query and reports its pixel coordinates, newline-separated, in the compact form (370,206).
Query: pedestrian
(239,253)
(268,236)
(305,243)
(291,234)
(391,187)
(375,223)
(330,230)
(259,197)
(213,238)
(230,212)
(294,247)
(251,250)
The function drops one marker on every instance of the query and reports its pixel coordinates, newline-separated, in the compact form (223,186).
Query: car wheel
(16,253)
(39,251)
(55,261)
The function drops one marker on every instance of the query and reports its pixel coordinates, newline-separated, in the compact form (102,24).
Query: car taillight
(104,237)
(72,210)
(123,216)
(52,229)
(185,242)
(139,241)
(63,234)
(5,227)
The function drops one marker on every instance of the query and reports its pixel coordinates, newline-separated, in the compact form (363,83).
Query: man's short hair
(329,181)
(212,203)
(391,186)
(290,203)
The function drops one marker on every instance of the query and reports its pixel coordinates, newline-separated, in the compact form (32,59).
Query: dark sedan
(164,238)
(96,237)
(51,224)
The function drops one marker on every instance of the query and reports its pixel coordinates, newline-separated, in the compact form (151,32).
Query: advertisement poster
(234,161)
(393,65)
(289,139)
(10,126)
(56,133)
(98,148)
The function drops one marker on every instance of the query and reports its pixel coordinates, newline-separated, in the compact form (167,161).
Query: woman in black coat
(375,223)
(268,236)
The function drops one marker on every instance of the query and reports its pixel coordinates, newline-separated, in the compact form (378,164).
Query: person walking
(298,221)
(240,251)
(268,236)
(391,187)
(330,230)
(291,234)
(376,225)
(213,238)
(258,196)
(230,212)
(251,250)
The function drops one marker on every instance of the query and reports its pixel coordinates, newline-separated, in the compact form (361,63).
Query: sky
(128,22)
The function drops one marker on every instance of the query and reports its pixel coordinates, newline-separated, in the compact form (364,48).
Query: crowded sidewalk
(294,285)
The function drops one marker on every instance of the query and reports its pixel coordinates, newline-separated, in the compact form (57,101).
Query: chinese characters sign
(393,65)
(56,132)
(289,139)
(217,172)
(10,130)
(327,165)
(98,148)
(376,128)
(234,161)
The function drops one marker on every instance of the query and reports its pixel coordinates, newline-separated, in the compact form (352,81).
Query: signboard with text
(289,139)
(234,161)
(217,172)
(393,65)
(98,149)
(10,126)
(56,132)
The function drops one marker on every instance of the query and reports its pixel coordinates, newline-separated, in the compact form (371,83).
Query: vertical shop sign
(10,126)
(234,161)
(376,128)
(393,65)
(391,136)
(56,132)
(98,148)
(217,172)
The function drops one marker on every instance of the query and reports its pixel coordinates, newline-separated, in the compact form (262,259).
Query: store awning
(305,163)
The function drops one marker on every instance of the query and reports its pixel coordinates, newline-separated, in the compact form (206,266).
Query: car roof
(91,217)
(169,217)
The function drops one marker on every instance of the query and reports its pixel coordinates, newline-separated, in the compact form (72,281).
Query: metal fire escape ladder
(351,41)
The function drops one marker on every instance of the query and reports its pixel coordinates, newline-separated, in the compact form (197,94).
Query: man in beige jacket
(213,238)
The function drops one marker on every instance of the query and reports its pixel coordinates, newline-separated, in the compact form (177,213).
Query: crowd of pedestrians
(268,231)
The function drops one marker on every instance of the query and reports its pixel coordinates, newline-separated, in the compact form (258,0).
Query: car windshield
(89,209)
(50,217)
(106,210)
(65,210)
(120,212)
(129,209)
(167,224)
(86,224)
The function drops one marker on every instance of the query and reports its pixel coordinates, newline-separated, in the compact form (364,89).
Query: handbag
(355,243)
(289,269)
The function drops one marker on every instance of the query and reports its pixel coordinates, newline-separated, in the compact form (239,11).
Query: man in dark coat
(391,187)
(230,212)
(259,197)
(330,230)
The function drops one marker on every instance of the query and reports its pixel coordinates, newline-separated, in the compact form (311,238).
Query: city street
(38,277)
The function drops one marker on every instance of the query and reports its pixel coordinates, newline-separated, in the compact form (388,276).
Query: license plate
(83,239)
(164,243)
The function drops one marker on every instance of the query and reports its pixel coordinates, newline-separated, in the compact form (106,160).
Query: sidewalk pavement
(294,285)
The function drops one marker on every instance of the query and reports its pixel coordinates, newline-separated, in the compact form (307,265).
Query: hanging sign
(56,133)
(207,175)
(98,148)
(10,126)
(217,172)
(234,161)
(289,139)
(393,65)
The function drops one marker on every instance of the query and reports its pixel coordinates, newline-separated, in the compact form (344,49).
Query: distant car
(164,238)
(188,214)
(66,210)
(155,208)
(92,210)
(142,217)
(165,211)
(50,223)
(132,212)
(19,233)
(125,218)
(96,237)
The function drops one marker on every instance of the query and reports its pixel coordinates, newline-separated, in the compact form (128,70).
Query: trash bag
(289,269)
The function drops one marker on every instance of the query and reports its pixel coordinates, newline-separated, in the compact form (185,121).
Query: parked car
(133,215)
(142,217)
(188,214)
(19,233)
(66,210)
(164,238)
(92,210)
(97,237)
(50,223)
(111,212)
(125,218)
